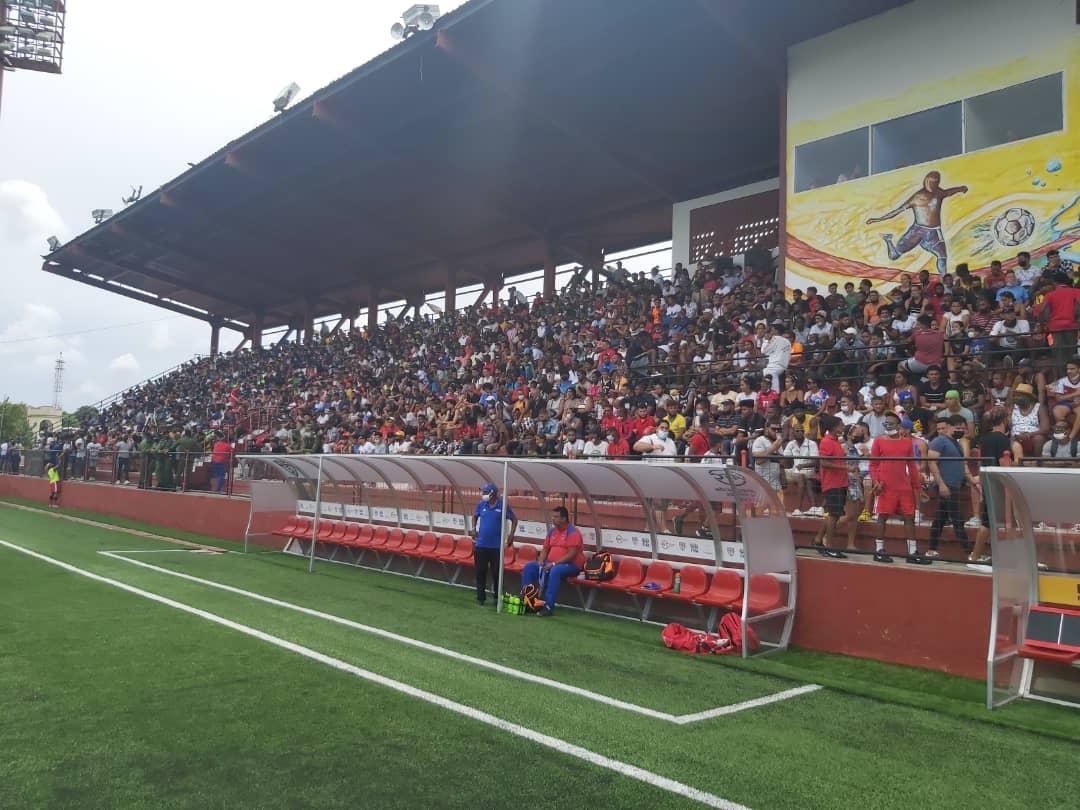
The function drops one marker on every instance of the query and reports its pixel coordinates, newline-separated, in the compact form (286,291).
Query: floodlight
(54,244)
(285,97)
(99,215)
(397,31)
(425,21)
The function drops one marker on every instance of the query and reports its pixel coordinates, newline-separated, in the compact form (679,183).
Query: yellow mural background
(831,220)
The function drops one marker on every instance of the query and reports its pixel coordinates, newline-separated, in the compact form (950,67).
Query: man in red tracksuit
(897,484)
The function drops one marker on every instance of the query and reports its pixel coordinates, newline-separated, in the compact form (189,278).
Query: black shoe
(819,548)
(480,602)
(918,559)
(833,553)
(703,533)
(881,556)
(544,611)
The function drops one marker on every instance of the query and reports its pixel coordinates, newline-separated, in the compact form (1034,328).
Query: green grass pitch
(113,700)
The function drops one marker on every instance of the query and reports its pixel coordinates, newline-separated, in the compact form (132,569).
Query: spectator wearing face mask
(657,446)
(1029,423)
(617,446)
(1060,445)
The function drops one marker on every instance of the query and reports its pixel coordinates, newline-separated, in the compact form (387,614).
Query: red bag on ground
(730,628)
(694,642)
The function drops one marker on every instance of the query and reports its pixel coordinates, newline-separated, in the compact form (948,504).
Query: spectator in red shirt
(833,474)
(617,446)
(562,557)
(897,484)
(928,344)
(220,459)
(1060,312)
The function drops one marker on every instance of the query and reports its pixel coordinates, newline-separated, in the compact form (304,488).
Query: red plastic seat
(463,552)
(326,529)
(379,537)
(393,542)
(287,529)
(526,553)
(302,528)
(364,534)
(337,536)
(694,583)
(659,573)
(352,532)
(630,574)
(443,548)
(426,546)
(724,590)
(508,557)
(764,594)
(409,542)
(1040,653)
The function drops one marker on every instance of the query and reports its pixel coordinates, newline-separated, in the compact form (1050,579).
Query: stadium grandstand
(860,311)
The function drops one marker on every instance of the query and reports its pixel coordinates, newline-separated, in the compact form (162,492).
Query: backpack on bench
(600,567)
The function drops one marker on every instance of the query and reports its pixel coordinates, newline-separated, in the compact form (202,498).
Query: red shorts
(896,502)
(54,488)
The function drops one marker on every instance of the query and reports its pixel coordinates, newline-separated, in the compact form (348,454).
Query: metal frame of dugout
(1034,649)
(615,505)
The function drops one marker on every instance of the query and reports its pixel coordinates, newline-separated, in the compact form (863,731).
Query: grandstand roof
(512,123)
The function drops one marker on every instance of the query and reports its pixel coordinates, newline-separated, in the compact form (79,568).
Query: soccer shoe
(544,612)
(918,559)
(834,554)
(933,554)
(703,533)
(973,522)
(882,557)
(865,516)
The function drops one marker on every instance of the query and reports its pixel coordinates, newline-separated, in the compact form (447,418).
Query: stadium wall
(895,614)
(983,92)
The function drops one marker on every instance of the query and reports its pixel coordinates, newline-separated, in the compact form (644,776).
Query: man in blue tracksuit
(562,557)
(487,532)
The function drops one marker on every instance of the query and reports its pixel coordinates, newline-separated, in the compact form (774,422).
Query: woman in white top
(1029,423)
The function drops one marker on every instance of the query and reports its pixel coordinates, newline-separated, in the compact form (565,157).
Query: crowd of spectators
(712,362)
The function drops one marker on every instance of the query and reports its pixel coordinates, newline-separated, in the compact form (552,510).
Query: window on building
(1014,113)
(917,138)
(831,160)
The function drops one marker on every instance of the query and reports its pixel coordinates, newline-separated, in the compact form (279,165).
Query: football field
(137,671)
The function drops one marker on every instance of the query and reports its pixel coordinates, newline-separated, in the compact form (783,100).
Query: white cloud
(26,214)
(125,362)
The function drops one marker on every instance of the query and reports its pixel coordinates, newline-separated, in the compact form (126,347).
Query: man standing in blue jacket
(487,533)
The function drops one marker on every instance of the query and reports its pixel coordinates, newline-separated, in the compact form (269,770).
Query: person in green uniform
(146,460)
(166,468)
(188,449)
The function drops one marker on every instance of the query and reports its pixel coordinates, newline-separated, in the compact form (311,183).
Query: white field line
(681,720)
(554,743)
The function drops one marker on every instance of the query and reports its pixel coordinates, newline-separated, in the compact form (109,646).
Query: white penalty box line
(678,719)
(553,743)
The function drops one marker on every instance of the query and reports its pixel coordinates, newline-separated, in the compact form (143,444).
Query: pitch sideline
(554,743)
(683,719)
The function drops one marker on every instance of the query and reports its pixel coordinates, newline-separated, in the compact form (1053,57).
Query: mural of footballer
(925,230)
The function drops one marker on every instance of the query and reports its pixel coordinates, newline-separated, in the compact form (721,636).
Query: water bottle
(676,586)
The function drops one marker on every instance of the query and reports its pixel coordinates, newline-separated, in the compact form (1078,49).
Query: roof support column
(549,273)
(495,282)
(257,332)
(308,324)
(215,336)
(450,280)
(597,264)
(373,310)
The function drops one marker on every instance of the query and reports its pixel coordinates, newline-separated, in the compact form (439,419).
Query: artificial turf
(113,700)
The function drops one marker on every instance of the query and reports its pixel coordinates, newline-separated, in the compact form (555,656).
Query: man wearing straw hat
(487,528)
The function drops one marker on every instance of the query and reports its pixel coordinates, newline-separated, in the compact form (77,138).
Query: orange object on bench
(629,575)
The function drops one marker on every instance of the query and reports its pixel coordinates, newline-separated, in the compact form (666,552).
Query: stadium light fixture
(101,214)
(284,98)
(32,35)
(54,244)
(420,17)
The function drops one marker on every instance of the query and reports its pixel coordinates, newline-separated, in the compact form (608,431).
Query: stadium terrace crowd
(713,364)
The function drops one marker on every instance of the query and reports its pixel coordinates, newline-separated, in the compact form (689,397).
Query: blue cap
(906,423)
(488,489)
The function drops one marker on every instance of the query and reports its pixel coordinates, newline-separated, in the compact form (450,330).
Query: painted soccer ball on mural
(1014,227)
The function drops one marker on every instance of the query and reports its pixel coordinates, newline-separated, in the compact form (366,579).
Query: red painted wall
(212,515)
(923,617)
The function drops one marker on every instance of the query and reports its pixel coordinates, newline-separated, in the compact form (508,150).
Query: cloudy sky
(146,88)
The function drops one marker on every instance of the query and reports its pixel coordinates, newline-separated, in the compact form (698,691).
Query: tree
(14,425)
(86,415)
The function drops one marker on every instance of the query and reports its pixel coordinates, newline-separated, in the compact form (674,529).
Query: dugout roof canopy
(512,125)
